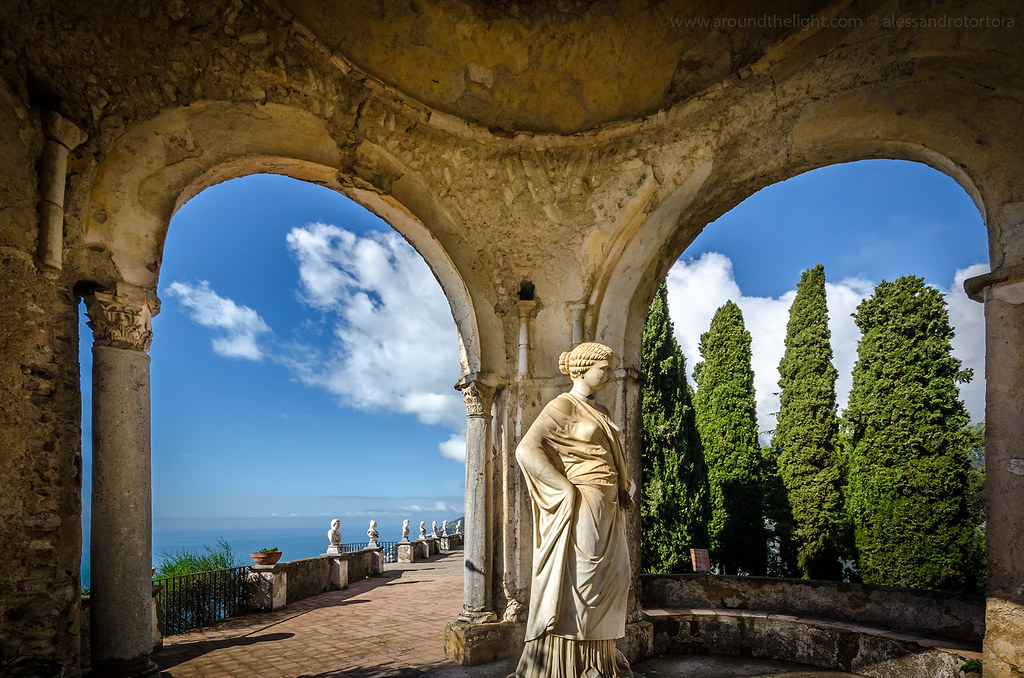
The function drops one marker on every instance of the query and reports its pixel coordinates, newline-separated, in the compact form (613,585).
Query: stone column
(477,592)
(61,136)
(1003,294)
(639,640)
(578,310)
(120,556)
(526,309)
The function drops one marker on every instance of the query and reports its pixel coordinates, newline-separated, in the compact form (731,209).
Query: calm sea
(305,541)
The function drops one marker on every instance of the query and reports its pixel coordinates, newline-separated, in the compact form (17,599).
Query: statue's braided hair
(577,361)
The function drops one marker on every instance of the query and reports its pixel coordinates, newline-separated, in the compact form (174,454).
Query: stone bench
(836,645)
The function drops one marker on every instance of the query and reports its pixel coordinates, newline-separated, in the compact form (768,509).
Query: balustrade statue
(334,538)
(372,534)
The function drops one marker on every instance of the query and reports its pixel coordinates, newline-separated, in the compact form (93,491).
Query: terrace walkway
(389,625)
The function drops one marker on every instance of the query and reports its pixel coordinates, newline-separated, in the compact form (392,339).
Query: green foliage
(805,439)
(272,549)
(976,494)
(674,506)
(976,473)
(972,666)
(779,524)
(175,564)
(908,467)
(727,424)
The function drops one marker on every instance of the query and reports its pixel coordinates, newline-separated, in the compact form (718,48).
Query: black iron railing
(193,600)
(354,546)
(389,549)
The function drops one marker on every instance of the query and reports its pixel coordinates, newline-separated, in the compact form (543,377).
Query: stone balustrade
(430,543)
(271,587)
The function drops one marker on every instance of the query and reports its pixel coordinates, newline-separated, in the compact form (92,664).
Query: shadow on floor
(178,654)
(382,670)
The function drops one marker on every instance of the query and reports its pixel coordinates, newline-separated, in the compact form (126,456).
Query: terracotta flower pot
(265,558)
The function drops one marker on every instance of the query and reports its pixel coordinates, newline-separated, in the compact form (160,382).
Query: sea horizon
(297,538)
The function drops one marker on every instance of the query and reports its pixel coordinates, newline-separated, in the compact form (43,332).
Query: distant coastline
(297,539)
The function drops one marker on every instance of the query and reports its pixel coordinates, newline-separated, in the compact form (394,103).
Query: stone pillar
(121,552)
(526,309)
(61,136)
(1003,294)
(578,310)
(266,586)
(639,640)
(477,593)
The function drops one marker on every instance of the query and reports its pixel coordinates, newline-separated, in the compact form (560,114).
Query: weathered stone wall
(837,646)
(311,576)
(930,613)
(307,577)
(40,435)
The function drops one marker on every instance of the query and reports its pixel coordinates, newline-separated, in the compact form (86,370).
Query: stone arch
(141,180)
(628,280)
(158,166)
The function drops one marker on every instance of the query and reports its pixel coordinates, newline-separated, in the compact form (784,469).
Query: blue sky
(303,358)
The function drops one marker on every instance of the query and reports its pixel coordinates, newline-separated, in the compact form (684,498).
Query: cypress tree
(727,424)
(779,523)
(805,439)
(908,468)
(674,489)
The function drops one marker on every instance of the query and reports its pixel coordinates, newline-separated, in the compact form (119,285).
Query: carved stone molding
(118,322)
(1009,277)
(476,395)
(471,398)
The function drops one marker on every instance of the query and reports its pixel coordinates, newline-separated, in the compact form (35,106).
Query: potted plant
(266,556)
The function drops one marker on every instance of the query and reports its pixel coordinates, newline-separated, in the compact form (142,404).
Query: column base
(480,617)
(142,667)
(471,643)
(1003,654)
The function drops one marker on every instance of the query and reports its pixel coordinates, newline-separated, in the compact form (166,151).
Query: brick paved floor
(388,625)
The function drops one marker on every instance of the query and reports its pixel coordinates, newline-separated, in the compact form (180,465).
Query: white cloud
(391,343)
(968,320)
(697,288)
(454,447)
(241,326)
(395,344)
(438,507)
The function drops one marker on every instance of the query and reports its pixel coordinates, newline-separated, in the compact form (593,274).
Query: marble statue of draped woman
(574,467)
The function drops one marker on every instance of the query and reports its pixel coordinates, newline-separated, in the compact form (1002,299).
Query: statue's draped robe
(574,468)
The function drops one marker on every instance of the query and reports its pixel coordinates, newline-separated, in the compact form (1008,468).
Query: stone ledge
(841,646)
(929,614)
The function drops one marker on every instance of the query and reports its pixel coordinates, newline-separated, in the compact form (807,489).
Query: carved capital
(628,374)
(476,395)
(118,322)
(473,400)
(62,130)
